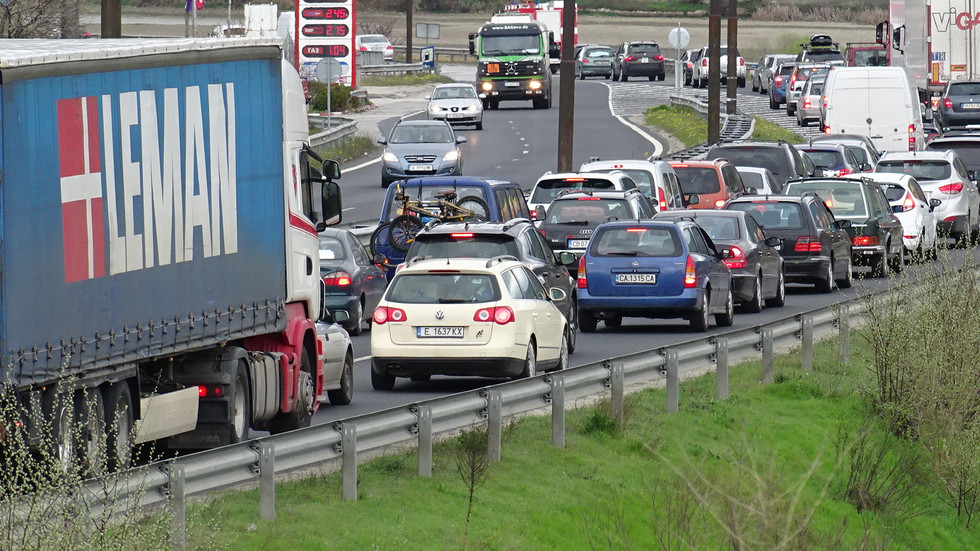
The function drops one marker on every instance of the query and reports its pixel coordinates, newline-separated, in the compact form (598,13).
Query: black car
(781,158)
(518,238)
(570,219)
(816,248)
(876,233)
(353,281)
(753,258)
(960,104)
(638,59)
(966,146)
(834,159)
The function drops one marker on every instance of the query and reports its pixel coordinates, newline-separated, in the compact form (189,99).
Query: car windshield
(639,241)
(644,49)
(697,180)
(462,244)
(642,178)
(510,44)
(845,200)
(587,210)
(772,158)
(816,87)
(870,58)
(824,158)
(724,51)
(373,39)
(786,70)
(454,92)
(598,53)
(823,55)
(429,288)
(428,195)
(547,190)
(752,179)
(772,214)
(969,152)
(920,170)
(964,89)
(331,249)
(404,133)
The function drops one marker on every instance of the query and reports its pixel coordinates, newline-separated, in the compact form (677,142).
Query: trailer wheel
(119,426)
(64,441)
(241,417)
(93,446)
(303,411)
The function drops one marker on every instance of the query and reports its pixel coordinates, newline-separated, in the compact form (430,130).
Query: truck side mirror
(881,31)
(554,50)
(331,170)
(472,38)
(330,203)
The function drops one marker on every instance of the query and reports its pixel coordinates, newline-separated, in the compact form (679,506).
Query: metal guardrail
(393,69)
(339,130)
(344,441)
(443,53)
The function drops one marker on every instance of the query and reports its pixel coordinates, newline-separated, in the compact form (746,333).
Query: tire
(420,378)
(563,352)
(780,298)
(486,104)
(898,261)
(755,87)
(613,322)
(343,395)
(530,362)
(700,320)
(382,381)
(119,427)
(303,412)
(880,266)
(789,111)
(728,318)
(772,103)
(356,319)
(479,125)
(573,329)
(402,231)
(661,76)
(547,104)
(92,442)
(586,321)
(607,76)
(379,232)
(826,284)
(803,122)
(494,104)
(848,279)
(581,76)
(623,77)
(741,82)
(241,414)
(652,78)
(755,305)
(480,208)
(64,441)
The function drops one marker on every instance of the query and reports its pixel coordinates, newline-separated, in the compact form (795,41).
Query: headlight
(390,157)
(451,156)
(487,86)
(433,109)
(474,107)
(534,85)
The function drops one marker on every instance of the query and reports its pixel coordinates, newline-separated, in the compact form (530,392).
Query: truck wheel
(64,436)
(495,104)
(343,395)
(661,76)
(93,437)
(302,411)
(241,414)
(119,426)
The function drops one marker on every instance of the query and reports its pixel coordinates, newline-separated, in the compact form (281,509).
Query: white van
(877,102)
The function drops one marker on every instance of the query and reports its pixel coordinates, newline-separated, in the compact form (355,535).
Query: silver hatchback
(808,104)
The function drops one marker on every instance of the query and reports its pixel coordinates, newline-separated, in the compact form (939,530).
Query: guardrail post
(844,332)
(348,444)
(558,410)
(616,399)
(672,388)
(425,441)
(768,357)
(178,505)
(267,481)
(494,424)
(806,353)
(721,368)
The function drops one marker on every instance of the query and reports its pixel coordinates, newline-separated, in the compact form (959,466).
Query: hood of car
(438,149)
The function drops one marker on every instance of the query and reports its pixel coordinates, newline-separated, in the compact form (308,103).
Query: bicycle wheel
(379,239)
(480,208)
(402,231)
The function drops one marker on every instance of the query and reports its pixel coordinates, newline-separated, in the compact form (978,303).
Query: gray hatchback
(420,148)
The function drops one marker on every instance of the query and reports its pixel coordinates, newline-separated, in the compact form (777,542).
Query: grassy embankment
(770,464)
(691,127)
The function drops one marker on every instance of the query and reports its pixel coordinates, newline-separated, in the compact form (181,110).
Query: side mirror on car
(340,316)
(751,191)
(566,258)
(933,203)
(461,139)
(539,212)
(866,167)
(692,199)
(725,253)
(557,294)
(897,209)
(382,141)
(774,242)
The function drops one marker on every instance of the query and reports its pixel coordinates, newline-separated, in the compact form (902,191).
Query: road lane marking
(658,148)
(361,359)
(377,160)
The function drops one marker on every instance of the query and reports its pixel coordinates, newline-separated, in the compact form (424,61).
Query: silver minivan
(655,179)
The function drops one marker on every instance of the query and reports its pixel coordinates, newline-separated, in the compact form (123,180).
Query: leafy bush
(341,98)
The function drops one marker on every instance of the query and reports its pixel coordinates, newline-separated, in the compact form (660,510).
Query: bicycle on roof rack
(446,206)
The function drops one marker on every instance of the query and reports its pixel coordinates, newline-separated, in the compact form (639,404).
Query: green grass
(350,150)
(682,122)
(610,485)
(403,80)
(767,131)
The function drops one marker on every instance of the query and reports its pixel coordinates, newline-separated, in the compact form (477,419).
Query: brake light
(339,278)
(952,189)
(363,48)
(389,47)
(630,58)
(778,81)
(844,171)
(826,100)
(704,62)
(588,198)
(806,103)
(679,165)
(690,276)
(662,199)
(658,57)
(911,137)
(948,103)
(585,60)
(741,62)
(736,259)
(865,241)
(501,315)
(583,282)
(461,235)
(829,202)
(534,215)
(719,203)
(574,180)
(909,203)
(634,230)
(792,81)
(384,314)
(211,391)
(826,130)
(808,244)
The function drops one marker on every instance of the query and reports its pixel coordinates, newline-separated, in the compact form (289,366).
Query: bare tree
(32,18)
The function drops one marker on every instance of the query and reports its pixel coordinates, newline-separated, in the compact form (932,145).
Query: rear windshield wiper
(452,301)
(622,253)
(575,222)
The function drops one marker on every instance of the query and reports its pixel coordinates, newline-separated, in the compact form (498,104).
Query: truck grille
(420,158)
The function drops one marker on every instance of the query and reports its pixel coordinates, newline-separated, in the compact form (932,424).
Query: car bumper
(676,306)
(952,118)
(457,118)
(391,173)
(491,359)
(864,255)
(643,69)
(811,114)
(778,95)
(595,70)
(805,269)
(513,89)
(347,303)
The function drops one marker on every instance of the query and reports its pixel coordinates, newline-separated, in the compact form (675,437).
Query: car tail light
(808,244)
(704,62)
(690,65)
(658,57)
(719,203)
(534,215)
(574,180)
(792,81)
(585,60)
(806,103)
(210,391)
(388,47)
(865,241)
(630,58)
(363,48)
(662,199)
(461,235)
(583,282)
(501,315)
(826,130)
(952,189)
(844,171)
(910,236)
(741,62)
(950,219)
(826,101)
(736,259)
(589,198)
(909,203)
(384,314)
(948,103)
(690,275)
(778,81)
(911,137)
(339,278)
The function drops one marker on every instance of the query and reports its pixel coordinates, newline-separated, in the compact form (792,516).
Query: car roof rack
(416,260)
(501,258)
(515,221)
(431,224)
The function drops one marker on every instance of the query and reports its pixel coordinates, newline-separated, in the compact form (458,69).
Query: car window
(850,159)
(755,233)
(532,246)
(845,200)
(860,154)
(598,53)
(917,191)
(587,209)
(894,192)
(961,169)
(462,245)
(817,214)
(428,288)
(772,158)
(824,158)
(697,180)
(752,179)
(723,228)
(675,197)
(360,253)
(964,89)
(772,214)
(549,255)
(546,190)
(331,249)
(921,170)
(640,242)
(879,205)
(520,204)
(733,179)
(506,205)
(528,284)
(644,49)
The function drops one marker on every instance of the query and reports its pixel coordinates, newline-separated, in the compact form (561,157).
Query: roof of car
(454,85)
(594,175)
(496,228)
(749,144)
(714,163)
(634,223)
(928,155)
(600,194)
(756,169)
(764,198)
(457,180)
(618,163)
(424,265)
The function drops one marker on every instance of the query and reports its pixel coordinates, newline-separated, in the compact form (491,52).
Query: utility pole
(409,7)
(714,71)
(730,106)
(111,24)
(566,90)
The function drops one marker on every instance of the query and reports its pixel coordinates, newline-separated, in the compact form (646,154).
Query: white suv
(942,176)
(655,179)
(700,72)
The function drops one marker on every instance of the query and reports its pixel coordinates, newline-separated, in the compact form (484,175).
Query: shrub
(341,98)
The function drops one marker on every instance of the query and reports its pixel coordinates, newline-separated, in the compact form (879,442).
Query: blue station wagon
(653,269)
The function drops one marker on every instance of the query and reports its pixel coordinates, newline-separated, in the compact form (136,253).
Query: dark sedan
(352,280)
(753,258)
(960,104)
